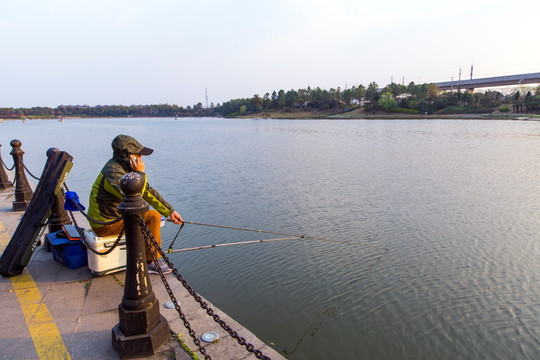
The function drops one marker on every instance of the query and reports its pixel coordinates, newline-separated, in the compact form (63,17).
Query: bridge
(532,78)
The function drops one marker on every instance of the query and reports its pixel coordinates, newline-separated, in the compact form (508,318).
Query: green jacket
(106,193)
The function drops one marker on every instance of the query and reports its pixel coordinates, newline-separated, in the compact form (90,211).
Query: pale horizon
(122,52)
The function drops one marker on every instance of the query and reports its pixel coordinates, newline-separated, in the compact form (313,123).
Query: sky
(112,52)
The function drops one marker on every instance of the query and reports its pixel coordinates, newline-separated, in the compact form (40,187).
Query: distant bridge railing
(532,78)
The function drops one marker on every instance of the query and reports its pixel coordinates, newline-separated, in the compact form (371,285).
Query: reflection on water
(436,225)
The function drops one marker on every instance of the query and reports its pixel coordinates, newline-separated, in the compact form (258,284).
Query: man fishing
(106,195)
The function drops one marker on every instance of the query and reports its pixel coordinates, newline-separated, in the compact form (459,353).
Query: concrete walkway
(52,312)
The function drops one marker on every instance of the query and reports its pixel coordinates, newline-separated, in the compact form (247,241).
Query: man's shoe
(152,268)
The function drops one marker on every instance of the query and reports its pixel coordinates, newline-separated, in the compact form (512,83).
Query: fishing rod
(242,229)
(235,243)
(289,237)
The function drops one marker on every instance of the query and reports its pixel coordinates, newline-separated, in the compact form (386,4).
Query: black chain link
(3,163)
(28,171)
(89,218)
(148,237)
(83,234)
(151,242)
(86,242)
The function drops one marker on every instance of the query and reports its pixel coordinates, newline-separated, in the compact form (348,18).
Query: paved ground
(52,312)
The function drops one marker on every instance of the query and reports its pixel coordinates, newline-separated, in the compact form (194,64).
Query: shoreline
(321,116)
(355,115)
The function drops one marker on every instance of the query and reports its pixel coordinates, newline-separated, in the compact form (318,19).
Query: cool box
(70,253)
(105,264)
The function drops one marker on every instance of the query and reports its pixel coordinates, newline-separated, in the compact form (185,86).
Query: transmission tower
(206,96)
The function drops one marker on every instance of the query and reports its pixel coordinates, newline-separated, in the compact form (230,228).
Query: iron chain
(83,234)
(148,237)
(85,240)
(13,167)
(89,218)
(152,243)
(28,171)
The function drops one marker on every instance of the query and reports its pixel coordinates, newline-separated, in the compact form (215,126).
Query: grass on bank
(395,113)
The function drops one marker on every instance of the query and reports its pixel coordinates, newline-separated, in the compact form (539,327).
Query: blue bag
(71,198)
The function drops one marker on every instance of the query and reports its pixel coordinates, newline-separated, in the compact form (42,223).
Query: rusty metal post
(4,181)
(59,216)
(23,192)
(142,329)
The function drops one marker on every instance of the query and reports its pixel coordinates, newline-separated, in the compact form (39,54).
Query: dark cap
(130,144)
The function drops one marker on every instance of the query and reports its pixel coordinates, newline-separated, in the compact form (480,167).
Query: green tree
(467,98)
(303,97)
(358,93)
(372,93)
(291,97)
(347,96)
(256,103)
(386,101)
(333,97)
(316,98)
(432,90)
(266,102)
(274,100)
(395,89)
(7,111)
(280,100)
(198,107)
(413,89)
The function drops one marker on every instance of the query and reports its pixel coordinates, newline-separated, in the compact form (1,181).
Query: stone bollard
(142,329)
(4,181)
(59,216)
(23,192)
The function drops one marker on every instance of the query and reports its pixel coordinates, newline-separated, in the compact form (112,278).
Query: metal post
(59,216)
(23,192)
(142,329)
(4,181)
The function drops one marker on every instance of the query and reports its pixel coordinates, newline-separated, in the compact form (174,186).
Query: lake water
(436,224)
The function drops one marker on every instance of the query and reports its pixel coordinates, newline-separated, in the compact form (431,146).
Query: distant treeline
(108,111)
(412,98)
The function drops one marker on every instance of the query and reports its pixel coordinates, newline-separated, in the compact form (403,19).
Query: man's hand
(176,218)
(136,162)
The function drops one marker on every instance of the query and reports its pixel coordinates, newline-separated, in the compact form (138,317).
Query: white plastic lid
(210,336)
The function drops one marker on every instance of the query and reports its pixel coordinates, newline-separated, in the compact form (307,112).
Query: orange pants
(152,219)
